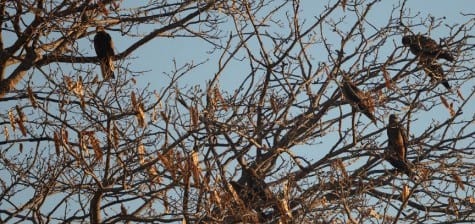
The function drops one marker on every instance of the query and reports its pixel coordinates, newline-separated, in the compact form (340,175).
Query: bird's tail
(446,84)
(107,68)
(403,166)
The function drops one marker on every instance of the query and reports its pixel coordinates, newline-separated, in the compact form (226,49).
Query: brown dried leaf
(284,209)
(211,102)
(444,101)
(405,192)
(82,102)
(194,117)
(57,143)
(21,115)
(381,96)
(154,116)
(286,190)
(165,161)
(164,116)
(323,201)
(152,171)
(387,78)
(447,105)
(115,136)
(153,174)
(373,213)
(102,8)
(20,120)
(460,94)
(274,105)
(342,168)
(343,4)
(458,180)
(64,137)
(166,204)
(216,199)
(141,116)
(470,200)
(368,102)
(31,97)
(141,153)
(69,83)
(452,111)
(5,132)
(217,95)
(95,146)
(78,87)
(424,173)
(195,167)
(133,99)
(11,117)
(21,127)
(95,80)
(453,206)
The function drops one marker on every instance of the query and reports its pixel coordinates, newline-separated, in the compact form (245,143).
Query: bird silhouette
(424,46)
(397,145)
(104,47)
(434,70)
(357,98)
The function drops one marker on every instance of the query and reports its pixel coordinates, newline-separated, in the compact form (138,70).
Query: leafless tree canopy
(267,137)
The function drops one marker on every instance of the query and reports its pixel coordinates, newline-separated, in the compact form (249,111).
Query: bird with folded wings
(424,46)
(428,51)
(359,100)
(104,47)
(397,146)
(434,70)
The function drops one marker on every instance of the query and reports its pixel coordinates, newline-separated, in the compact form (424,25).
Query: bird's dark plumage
(358,98)
(397,139)
(105,52)
(434,70)
(397,144)
(402,166)
(424,46)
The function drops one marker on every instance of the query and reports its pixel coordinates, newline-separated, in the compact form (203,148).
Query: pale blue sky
(157,56)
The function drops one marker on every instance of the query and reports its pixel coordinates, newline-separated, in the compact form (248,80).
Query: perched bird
(434,70)
(397,139)
(251,187)
(252,192)
(397,144)
(358,99)
(105,52)
(424,46)
(253,196)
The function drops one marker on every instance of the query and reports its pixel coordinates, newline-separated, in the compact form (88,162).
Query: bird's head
(393,119)
(406,40)
(345,77)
